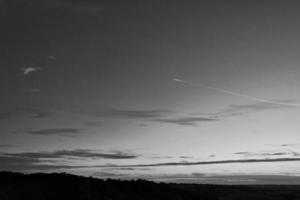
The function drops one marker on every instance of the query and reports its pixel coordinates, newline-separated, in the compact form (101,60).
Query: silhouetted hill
(15,186)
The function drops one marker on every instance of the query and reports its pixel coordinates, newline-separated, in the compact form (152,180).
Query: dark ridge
(39,186)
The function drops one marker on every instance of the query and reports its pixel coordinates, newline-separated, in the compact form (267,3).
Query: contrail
(235,93)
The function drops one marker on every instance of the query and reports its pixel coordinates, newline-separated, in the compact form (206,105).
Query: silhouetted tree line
(17,186)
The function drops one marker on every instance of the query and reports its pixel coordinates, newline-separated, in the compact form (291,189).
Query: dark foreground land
(66,186)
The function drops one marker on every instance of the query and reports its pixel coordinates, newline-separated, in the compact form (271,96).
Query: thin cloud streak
(77,153)
(50,160)
(249,154)
(28,70)
(242,109)
(128,114)
(186,121)
(236,110)
(210,162)
(155,115)
(31,161)
(6,145)
(235,93)
(94,124)
(55,131)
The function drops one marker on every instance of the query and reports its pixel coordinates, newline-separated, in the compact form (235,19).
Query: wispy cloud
(35,112)
(288,159)
(111,175)
(56,131)
(167,116)
(6,145)
(123,173)
(128,114)
(243,109)
(235,110)
(237,94)
(200,178)
(51,160)
(51,57)
(94,124)
(229,179)
(291,145)
(264,154)
(155,115)
(242,153)
(172,117)
(28,70)
(77,153)
(36,160)
(16,163)
(186,121)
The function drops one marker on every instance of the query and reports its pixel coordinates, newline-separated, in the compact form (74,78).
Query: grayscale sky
(193,91)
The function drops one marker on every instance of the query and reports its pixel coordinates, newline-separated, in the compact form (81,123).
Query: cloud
(235,110)
(264,154)
(16,163)
(242,109)
(201,178)
(94,124)
(291,145)
(6,145)
(273,154)
(130,169)
(111,175)
(229,179)
(10,163)
(295,153)
(31,111)
(128,114)
(77,153)
(145,115)
(155,115)
(210,162)
(150,115)
(136,113)
(172,117)
(260,100)
(51,57)
(35,112)
(242,153)
(185,157)
(186,121)
(51,160)
(55,131)
(28,70)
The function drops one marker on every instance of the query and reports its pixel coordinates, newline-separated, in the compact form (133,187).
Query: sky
(180,91)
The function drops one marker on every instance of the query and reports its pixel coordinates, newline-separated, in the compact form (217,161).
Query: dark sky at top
(93,79)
